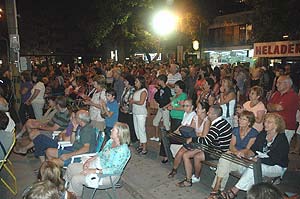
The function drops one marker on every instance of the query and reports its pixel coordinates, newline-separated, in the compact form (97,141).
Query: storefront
(232,55)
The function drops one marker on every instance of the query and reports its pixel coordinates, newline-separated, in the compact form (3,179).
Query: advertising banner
(277,49)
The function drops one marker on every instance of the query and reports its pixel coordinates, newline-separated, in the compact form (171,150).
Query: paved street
(146,178)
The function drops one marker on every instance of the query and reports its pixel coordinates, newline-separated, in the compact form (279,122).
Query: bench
(256,166)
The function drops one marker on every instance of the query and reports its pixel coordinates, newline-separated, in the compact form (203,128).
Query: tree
(274,19)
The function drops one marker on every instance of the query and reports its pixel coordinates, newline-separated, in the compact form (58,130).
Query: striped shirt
(219,135)
(62,119)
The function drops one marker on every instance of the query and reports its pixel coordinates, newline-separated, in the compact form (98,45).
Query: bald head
(83,115)
(284,83)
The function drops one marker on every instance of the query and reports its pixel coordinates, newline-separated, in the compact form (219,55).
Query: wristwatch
(97,170)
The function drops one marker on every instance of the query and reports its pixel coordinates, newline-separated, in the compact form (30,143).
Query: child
(110,111)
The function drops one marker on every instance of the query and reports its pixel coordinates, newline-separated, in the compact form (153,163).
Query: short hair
(163,78)
(123,132)
(4,120)
(61,101)
(27,75)
(278,120)
(112,92)
(42,190)
(142,80)
(180,84)
(100,80)
(84,116)
(258,90)
(250,117)
(50,171)
(217,110)
(288,79)
(264,190)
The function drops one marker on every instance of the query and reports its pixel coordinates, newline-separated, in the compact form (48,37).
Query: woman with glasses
(242,139)
(271,147)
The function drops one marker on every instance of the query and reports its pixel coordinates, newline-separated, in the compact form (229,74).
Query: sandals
(143,152)
(172,173)
(139,149)
(20,151)
(229,194)
(214,195)
(185,183)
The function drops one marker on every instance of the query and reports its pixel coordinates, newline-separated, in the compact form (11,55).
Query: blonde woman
(271,147)
(112,159)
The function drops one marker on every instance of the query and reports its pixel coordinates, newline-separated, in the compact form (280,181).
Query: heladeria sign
(277,49)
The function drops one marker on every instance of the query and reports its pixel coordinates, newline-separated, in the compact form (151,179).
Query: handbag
(187,132)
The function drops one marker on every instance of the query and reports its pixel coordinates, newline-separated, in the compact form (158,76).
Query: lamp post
(164,23)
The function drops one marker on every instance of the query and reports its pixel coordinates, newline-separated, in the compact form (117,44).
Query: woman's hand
(88,171)
(189,140)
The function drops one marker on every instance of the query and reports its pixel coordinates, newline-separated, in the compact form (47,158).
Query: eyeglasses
(186,105)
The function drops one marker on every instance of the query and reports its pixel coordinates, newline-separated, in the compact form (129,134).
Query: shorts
(67,150)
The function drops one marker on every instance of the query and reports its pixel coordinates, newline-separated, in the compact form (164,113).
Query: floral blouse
(113,160)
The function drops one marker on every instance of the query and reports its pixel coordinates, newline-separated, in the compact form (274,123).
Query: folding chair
(8,167)
(114,179)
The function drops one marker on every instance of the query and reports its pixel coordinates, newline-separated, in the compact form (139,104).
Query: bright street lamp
(164,22)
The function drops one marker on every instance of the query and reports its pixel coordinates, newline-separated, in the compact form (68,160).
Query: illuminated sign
(277,49)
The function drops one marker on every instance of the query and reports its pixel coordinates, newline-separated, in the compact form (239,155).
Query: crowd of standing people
(236,109)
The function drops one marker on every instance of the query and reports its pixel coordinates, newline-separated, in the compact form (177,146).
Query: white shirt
(40,97)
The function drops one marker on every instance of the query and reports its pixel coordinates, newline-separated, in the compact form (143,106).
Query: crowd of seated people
(112,93)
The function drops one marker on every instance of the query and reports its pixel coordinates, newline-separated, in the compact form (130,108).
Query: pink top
(255,109)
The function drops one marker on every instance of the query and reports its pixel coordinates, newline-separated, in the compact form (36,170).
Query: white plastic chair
(114,183)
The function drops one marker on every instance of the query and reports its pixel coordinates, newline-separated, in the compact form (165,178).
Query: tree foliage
(273,19)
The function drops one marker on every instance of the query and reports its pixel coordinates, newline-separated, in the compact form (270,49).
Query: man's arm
(82,150)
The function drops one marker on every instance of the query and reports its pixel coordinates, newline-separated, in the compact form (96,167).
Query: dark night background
(96,26)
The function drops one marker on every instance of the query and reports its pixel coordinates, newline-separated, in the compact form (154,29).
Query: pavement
(145,177)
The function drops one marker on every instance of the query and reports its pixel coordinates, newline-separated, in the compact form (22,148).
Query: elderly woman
(256,106)
(98,94)
(242,139)
(125,113)
(111,160)
(272,147)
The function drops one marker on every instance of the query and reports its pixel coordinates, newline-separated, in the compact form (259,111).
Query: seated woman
(201,125)
(111,160)
(6,137)
(175,137)
(271,147)
(242,139)
(50,172)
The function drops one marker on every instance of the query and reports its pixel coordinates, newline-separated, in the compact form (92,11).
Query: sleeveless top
(201,127)
(139,109)
(95,112)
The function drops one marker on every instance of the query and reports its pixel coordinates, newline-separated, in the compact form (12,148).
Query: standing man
(173,77)
(118,83)
(191,81)
(285,102)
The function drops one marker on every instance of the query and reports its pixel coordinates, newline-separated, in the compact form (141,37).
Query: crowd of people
(248,112)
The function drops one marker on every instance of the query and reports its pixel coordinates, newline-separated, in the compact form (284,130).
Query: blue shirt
(242,143)
(112,107)
(113,160)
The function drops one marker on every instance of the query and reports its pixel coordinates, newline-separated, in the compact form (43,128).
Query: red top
(290,103)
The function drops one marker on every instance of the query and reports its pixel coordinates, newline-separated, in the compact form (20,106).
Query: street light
(164,22)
